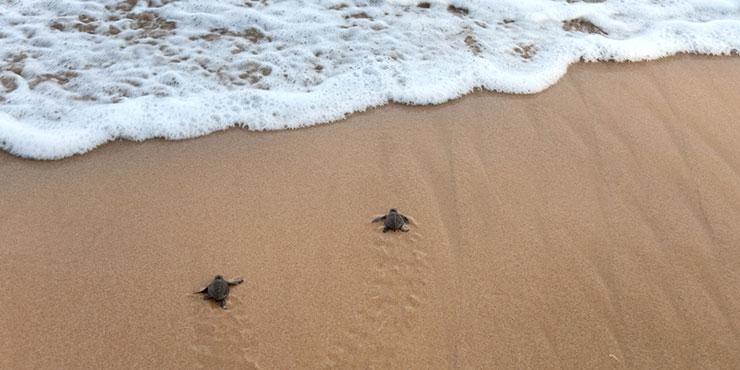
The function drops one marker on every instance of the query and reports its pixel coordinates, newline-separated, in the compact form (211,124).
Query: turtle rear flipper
(223,303)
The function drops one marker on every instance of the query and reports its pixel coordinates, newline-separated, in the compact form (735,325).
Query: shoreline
(348,116)
(592,225)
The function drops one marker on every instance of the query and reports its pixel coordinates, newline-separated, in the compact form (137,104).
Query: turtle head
(218,277)
(393,210)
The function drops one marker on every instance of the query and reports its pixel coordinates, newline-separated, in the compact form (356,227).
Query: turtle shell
(218,289)
(394,221)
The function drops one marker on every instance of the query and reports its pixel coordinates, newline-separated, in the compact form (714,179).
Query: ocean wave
(77,74)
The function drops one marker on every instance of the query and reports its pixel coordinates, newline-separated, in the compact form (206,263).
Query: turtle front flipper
(381,218)
(202,291)
(207,298)
(385,229)
(235,282)
(405,219)
(405,230)
(223,303)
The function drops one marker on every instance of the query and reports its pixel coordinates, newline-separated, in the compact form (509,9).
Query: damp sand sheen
(591,226)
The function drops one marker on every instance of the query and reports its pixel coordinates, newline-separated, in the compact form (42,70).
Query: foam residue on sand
(76,74)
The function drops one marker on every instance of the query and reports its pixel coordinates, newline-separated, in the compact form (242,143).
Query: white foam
(76,74)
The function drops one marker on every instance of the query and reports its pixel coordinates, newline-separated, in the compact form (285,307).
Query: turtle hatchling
(393,221)
(218,290)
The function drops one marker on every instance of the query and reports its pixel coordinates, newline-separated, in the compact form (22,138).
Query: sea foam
(77,74)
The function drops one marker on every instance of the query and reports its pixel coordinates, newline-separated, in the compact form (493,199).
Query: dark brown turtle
(393,221)
(218,289)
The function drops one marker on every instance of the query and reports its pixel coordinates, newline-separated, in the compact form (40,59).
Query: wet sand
(595,225)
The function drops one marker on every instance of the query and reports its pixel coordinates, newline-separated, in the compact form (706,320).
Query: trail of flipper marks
(223,339)
(390,309)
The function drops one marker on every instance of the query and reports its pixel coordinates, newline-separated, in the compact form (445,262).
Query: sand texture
(593,226)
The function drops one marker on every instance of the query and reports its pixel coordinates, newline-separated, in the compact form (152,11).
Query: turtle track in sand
(391,305)
(223,339)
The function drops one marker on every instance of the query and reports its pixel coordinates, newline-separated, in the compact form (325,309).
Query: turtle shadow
(216,305)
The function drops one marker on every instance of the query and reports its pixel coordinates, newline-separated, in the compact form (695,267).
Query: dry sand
(592,226)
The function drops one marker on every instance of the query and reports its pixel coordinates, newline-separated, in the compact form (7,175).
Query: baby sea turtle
(393,221)
(218,289)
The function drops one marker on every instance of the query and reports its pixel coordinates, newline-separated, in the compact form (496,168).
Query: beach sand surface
(595,225)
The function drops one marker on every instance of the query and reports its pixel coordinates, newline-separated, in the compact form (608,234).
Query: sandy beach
(595,225)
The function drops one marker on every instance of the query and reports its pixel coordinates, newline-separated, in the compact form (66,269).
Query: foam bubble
(77,74)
